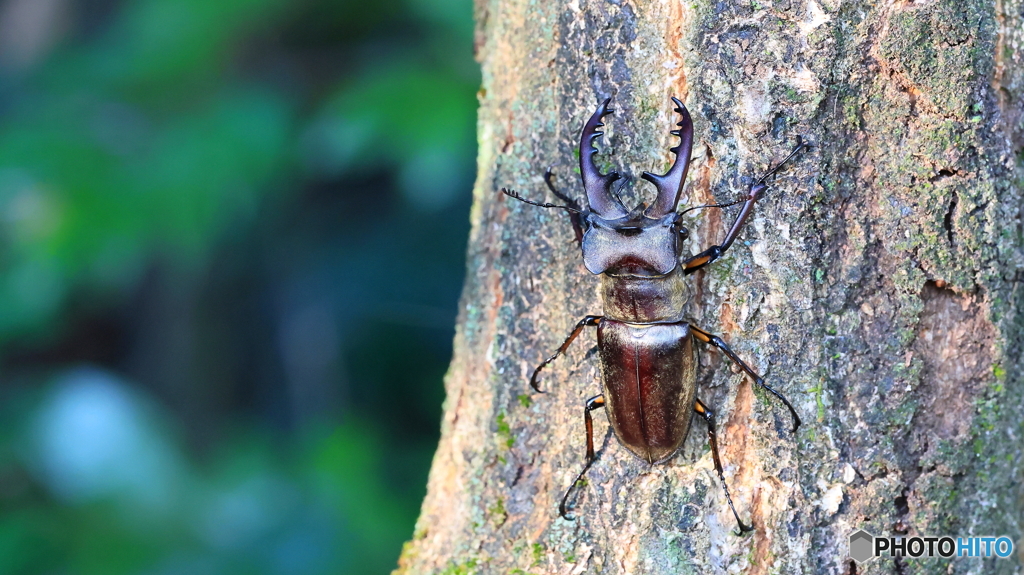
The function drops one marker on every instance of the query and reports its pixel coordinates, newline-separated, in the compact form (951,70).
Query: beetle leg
(717,342)
(709,417)
(575,217)
(593,403)
(590,320)
(714,252)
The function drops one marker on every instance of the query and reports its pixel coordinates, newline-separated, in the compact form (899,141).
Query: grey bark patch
(954,341)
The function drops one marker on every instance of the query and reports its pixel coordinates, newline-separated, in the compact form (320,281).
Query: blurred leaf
(347,466)
(166,40)
(399,116)
(192,173)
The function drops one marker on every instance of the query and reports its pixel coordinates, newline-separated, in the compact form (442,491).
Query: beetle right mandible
(646,347)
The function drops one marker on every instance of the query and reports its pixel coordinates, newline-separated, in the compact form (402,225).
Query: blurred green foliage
(231,242)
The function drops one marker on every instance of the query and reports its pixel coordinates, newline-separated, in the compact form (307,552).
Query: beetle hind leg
(593,403)
(709,417)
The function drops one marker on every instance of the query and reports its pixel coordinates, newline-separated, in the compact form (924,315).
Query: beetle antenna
(515,195)
(800,145)
(739,201)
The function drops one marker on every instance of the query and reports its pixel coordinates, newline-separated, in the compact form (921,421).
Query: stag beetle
(645,346)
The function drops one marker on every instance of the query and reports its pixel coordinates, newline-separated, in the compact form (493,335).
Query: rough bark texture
(878,283)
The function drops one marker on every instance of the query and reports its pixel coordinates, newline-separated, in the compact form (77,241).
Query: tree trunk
(878,284)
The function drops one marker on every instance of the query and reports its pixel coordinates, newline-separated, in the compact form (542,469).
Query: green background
(232,238)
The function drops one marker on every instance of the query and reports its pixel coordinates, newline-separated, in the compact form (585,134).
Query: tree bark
(878,284)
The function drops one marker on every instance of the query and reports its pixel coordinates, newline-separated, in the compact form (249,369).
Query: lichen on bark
(878,285)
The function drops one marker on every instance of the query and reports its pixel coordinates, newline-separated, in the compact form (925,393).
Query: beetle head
(634,245)
(646,240)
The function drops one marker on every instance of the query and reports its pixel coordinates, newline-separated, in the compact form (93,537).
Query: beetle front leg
(714,252)
(717,342)
(590,320)
(593,403)
(709,417)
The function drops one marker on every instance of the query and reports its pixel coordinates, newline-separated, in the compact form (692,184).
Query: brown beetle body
(650,381)
(647,353)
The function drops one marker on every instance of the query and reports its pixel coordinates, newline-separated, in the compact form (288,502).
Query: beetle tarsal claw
(743,530)
(535,378)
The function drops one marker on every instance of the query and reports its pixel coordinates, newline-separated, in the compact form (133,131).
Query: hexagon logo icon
(862,546)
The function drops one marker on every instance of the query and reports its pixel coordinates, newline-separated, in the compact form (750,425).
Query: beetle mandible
(645,345)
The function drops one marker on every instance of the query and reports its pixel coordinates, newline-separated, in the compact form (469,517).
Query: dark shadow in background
(232,240)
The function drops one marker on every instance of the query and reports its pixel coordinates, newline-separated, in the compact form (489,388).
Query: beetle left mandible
(646,347)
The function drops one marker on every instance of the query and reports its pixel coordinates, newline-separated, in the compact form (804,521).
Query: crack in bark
(947,221)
